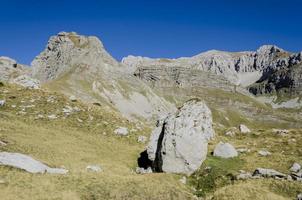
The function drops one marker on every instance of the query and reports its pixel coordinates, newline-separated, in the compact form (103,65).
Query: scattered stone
(244,129)
(230,133)
(299,196)
(121,131)
(2,181)
(141,170)
(225,150)
(179,142)
(183,180)
(289,178)
(27,163)
(268,173)
(282,132)
(243,150)
(2,102)
(295,168)
(243,175)
(73,98)
(264,153)
(2,143)
(94,168)
(80,120)
(142,139)
(52,117)
(67,110)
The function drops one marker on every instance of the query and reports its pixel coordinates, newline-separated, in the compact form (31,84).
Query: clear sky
(152,28)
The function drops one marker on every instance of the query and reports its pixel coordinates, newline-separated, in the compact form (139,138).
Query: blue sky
(152,28)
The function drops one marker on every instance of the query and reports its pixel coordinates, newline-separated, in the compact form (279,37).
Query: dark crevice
(144,162)
(158,162)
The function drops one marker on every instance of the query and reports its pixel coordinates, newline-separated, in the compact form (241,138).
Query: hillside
(79,109)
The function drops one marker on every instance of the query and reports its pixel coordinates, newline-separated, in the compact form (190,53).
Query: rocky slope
(79,65)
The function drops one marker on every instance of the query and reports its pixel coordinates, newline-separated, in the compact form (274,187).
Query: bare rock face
(10,69)
(66,50)
(179,142)
(269,69)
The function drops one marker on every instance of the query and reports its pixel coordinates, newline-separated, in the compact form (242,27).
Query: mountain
(79,65)
(81,111)
(269,71)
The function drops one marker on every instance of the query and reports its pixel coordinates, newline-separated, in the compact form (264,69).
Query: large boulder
(27,163)
(179,142)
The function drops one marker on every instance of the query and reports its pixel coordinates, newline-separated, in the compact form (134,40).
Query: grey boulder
(27,163)
(295,168)
(179,142)
(225,150)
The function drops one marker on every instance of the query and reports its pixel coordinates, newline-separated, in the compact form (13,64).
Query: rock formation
(80,66)
(270,67)
(179,142)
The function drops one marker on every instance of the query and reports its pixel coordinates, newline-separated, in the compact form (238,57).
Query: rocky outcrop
(270,67)
(67,51)
(179,142)
(12,72)
(27,163)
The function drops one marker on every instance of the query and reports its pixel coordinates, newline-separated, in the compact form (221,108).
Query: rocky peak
(268,50)
(65,51)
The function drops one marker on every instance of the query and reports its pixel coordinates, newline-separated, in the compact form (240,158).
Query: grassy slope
(74,145)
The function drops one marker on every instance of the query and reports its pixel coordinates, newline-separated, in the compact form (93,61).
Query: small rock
(230,133)
(2,143)
(244,129)
(289,178)
(282,132)
(225,150)
(2,181)
(299,196)
(94,168)
(140,170)
(142,139)
(183,180)
(79,120)
(52,117)
(2,102)
(268,173)
(121,131)
(295,168)
(73,98)
(243,175)
(264,153)
(243,150)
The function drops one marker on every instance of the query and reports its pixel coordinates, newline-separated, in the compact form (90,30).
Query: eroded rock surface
(27,163)
(179,142)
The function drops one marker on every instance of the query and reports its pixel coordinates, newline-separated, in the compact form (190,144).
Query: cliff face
(285,78)
(272,66)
